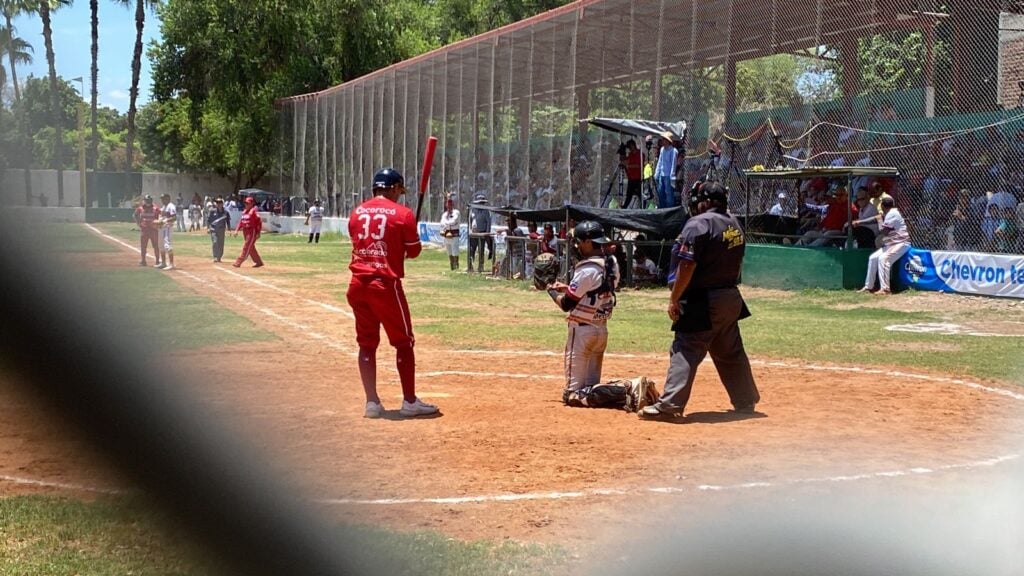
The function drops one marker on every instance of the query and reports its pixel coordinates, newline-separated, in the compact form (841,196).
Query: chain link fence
(932,88)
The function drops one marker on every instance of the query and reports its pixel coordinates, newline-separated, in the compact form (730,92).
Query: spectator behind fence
(958,234)
(634,174)
(548,242)
(645,270)
(450,231)
(479,223)
(1007,233)
(515,250)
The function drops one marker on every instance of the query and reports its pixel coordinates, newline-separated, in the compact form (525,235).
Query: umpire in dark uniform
(705,306)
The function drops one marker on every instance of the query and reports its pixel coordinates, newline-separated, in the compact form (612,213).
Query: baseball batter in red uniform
(145,217)
(384,234)
(251,226)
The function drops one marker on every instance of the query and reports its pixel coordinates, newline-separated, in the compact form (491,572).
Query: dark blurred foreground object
(60,338)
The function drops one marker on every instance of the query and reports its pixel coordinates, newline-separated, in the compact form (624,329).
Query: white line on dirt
(264,284)
(487,374)
(61,485)
(669,489)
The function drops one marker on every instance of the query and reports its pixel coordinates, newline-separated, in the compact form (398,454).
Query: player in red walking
(146,217)
(384,234)
(251,226)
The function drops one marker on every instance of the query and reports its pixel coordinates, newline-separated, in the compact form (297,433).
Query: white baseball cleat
(417,408)
(373,410)
(169,267)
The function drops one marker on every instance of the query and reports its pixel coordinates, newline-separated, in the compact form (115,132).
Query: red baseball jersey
(383,234)
(146,217)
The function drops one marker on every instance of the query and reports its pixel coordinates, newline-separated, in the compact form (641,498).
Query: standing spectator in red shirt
(251,226)
(145,217)
(634,175)
(384,234)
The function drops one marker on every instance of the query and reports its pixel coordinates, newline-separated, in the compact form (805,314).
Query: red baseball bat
(428,162)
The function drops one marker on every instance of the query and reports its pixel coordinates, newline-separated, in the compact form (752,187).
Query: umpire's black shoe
(652,412)
(744,409)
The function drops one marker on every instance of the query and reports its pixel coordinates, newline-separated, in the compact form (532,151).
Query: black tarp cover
(674,131)
(655,224)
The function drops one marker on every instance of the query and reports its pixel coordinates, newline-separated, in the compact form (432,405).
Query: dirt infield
(506,459)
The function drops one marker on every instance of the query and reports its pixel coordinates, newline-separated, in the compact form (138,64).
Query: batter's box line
(306,330)
(894,374)
(598,492)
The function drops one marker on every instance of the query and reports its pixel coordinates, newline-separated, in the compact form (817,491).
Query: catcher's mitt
(545,270)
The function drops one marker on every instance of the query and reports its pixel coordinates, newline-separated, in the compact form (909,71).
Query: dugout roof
(824,172)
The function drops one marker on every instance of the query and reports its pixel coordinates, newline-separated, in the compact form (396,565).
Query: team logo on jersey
(378,249)
(733,237)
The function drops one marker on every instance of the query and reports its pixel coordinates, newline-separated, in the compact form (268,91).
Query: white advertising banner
(964,272)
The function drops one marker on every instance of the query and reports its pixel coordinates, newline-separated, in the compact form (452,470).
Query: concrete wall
(44,182)
(49,214)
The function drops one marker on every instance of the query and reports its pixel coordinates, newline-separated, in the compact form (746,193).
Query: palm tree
(140,23)
(45,7)
(15,47)
(18,51)
(94,141)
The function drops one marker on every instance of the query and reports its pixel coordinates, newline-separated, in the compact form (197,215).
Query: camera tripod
(712,174)
(619,176)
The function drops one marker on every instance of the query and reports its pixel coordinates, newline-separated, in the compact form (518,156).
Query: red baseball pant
(249,249)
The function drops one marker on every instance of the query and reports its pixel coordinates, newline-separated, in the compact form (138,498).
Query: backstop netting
(932,88)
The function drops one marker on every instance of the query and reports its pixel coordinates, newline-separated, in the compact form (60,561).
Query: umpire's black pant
(725,345)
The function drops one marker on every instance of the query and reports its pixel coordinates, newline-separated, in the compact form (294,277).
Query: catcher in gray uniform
(588,300)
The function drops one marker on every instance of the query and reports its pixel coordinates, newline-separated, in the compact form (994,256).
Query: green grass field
(118,536)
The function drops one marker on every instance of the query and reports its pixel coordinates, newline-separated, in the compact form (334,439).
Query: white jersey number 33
(379,219)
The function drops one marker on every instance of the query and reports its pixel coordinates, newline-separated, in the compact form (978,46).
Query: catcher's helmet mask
(590,230)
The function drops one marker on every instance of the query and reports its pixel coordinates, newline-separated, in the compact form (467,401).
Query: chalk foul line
(597,492)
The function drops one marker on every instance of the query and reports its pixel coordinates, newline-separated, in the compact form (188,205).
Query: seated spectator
(548,242)
(832,226)
(778,209)
(895,243)
(645,270)
(878,193)
(958,234)
(989,223)
(810,211)
(865,225)
(1002,199)
(1007,233)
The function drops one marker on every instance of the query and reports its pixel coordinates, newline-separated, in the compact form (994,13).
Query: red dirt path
(501,435)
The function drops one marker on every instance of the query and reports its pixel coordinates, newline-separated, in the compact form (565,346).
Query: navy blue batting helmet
(387,178)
